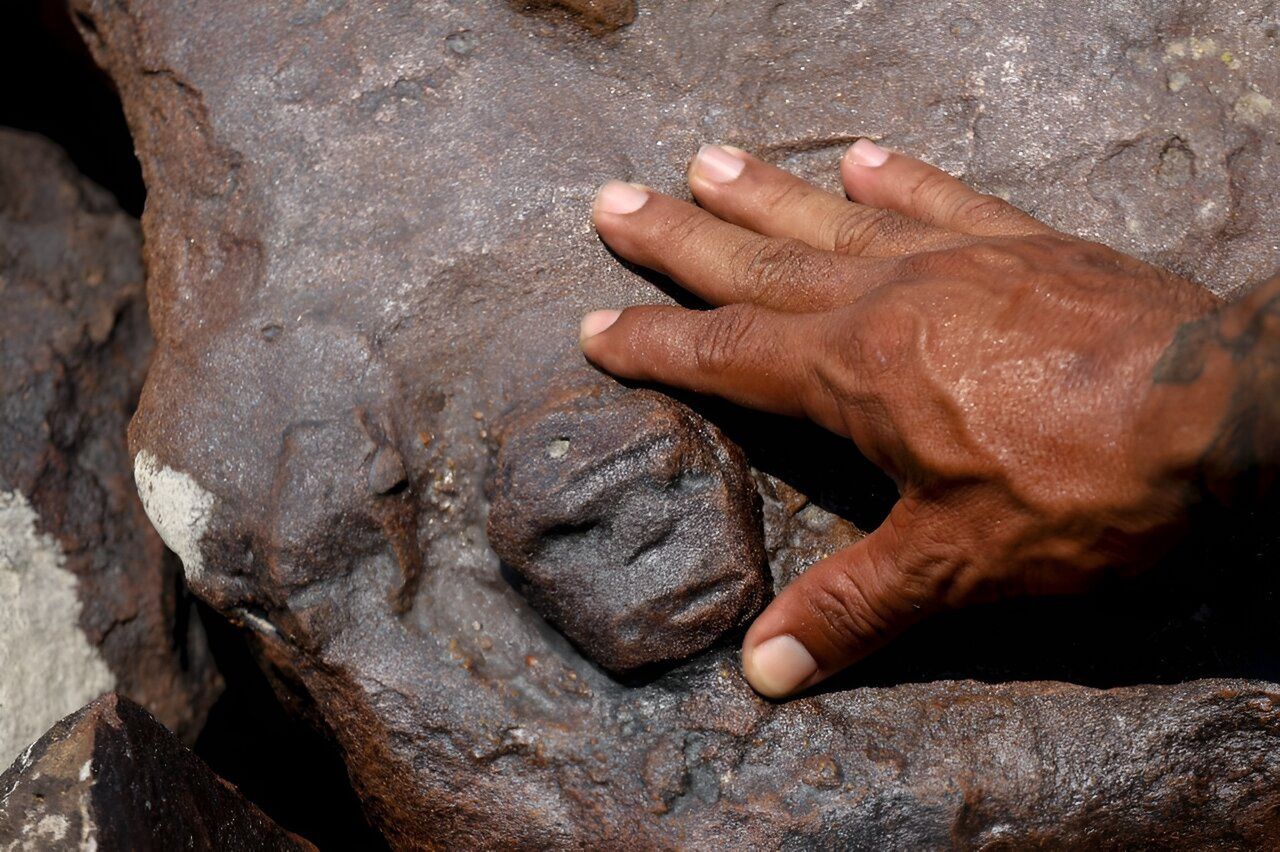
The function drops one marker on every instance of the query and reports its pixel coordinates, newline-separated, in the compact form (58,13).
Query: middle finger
(749,192)
(723,263)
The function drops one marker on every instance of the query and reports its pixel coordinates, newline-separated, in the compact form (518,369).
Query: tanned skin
(1052,411)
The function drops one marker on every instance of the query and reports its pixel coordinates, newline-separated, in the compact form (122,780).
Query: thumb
(843,608)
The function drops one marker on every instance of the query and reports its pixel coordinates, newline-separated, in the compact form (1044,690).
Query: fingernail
(864,152)
(777,666)
(620,198)
(596,322)
(718,164)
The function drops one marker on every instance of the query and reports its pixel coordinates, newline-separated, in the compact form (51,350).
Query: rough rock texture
(89,601)
(109,776)
(635,523)
(368,246)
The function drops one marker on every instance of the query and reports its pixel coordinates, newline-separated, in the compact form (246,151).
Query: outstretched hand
(1001,372)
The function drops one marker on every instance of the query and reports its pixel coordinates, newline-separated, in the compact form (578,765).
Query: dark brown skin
(1051,409)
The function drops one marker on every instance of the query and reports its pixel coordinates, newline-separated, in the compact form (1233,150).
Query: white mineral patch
(178,507)
(47,667)
(52,828)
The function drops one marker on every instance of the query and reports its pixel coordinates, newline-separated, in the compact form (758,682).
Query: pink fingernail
(718,164)
(864,152)
(777,666)
(620,198)
(596,322)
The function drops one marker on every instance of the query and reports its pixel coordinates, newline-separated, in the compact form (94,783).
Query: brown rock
(109,776)
(367,231)
(634,522)
(596,14)
(89,599)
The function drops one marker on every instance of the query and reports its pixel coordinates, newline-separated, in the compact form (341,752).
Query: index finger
(892,181)
(754,356)
(722,262)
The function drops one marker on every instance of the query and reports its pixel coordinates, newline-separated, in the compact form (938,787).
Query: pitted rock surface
(89,600)
(635,523)
(368,246)
(109,776)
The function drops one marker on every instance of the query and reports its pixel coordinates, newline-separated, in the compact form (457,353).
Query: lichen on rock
(50,669)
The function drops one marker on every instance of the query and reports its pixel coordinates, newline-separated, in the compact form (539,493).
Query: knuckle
(727,334)
(844,611)
(684,225)
(979,209)
(784,195)
(858,230)
(927,264)
(770,268)
(980,259)
(883,336)
(926,192)
(1029,256)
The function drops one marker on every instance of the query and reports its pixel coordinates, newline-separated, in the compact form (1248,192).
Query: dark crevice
(280,764)
(72,101)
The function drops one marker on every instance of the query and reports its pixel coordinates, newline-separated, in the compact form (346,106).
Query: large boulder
(90,601)
(109,776)
(368,246)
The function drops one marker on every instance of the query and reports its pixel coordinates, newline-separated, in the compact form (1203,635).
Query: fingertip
(779,666)
(717,165)
(596,322)
(617,198)
(866,153)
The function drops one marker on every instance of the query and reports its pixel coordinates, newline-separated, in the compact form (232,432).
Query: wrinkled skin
(1003,373)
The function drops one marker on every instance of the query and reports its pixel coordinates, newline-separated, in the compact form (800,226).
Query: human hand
(1001,372)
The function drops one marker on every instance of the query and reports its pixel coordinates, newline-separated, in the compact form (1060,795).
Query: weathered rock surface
(635,523)
(109,776)
(89,601)
(368,245)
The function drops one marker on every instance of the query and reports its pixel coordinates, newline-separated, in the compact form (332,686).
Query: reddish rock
(109,776)
(89,599)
